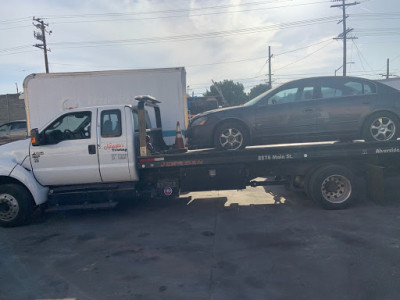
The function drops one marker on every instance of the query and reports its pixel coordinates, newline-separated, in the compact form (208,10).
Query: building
(198,105)
(393,82)
(11,108)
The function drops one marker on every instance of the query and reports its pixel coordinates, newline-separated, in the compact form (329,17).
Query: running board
(85,206)
(91,188)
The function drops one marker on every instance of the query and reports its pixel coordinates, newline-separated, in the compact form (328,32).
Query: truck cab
(87,145)
(80,150)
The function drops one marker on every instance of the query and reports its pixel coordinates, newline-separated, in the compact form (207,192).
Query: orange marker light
(33,140)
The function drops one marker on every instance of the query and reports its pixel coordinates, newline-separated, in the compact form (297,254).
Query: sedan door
(343,103)
(18,130)
(283,115)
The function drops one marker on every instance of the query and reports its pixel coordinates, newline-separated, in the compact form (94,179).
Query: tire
(231,136)
(16,205)
(333,186)
(383,126)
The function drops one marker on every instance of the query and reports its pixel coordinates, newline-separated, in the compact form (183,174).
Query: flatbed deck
(358,150)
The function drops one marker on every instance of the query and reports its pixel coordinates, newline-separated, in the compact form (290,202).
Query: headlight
(199,121)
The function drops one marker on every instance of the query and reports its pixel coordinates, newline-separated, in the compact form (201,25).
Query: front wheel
(16,205)
(381,127)
(230,136)
(333,186)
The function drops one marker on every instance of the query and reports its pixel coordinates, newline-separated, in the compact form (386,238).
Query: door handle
(308,109)
(92,149)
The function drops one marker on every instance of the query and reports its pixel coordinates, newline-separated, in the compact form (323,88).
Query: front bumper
(200,137)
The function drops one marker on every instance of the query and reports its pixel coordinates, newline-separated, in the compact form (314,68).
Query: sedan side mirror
(35,137)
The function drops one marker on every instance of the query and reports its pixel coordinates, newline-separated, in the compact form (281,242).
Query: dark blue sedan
(305,110)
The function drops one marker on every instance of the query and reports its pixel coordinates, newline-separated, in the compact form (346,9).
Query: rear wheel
(16,205)
(381,127)
(333,186)
(230,136)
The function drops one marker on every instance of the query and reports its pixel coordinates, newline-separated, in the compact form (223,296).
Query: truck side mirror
(35,138)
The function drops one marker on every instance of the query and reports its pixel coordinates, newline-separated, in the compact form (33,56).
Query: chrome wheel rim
(382,129)
(9,207)
(231,139)
(336,189)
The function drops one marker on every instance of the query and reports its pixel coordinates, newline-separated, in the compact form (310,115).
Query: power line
(362,56)
(187,37)
(191,15)
(296,61)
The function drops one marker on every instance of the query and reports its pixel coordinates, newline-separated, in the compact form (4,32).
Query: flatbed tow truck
(95,155)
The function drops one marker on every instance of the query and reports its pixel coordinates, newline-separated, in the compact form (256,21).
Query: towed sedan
(304,110)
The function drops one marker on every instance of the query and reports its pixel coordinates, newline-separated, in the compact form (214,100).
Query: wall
(11,108)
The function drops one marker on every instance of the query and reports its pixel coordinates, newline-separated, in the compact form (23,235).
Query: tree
(233,92)
(258,90)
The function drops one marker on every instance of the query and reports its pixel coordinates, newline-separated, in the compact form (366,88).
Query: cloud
(225,40)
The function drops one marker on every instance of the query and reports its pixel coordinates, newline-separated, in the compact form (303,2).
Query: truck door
(67,153)
(113,146)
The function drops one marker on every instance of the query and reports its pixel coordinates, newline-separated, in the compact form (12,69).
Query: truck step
(88,188)
(83,206)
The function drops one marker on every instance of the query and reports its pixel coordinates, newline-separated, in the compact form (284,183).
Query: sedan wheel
(230,137)
(381,127)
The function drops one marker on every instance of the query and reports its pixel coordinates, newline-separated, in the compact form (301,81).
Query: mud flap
(375,183)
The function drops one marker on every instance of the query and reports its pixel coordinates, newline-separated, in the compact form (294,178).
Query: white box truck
(393,82)
(46,95)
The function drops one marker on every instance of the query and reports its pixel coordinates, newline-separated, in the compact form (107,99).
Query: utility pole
(343,36)
(220,93)
(41,36)
(269,67)
(388,75)
(387,68)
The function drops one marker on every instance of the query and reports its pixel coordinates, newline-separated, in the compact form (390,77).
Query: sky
(212,39)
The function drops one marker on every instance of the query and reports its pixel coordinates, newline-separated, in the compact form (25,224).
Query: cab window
(111,123)
(72,126)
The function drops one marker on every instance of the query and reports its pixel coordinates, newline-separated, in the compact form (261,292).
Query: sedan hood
(220,111)
(16,151)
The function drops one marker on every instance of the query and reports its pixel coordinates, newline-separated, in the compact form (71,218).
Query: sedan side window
(353,88)
(330,92)
(284,96)
(307,94)
(18,125)
(369,89)
(70,126)
(5,127)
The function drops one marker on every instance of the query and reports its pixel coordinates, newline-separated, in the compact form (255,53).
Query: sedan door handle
(308,109)
(92,149)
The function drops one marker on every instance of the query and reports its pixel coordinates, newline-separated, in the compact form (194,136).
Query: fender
(12,158)
(39,192)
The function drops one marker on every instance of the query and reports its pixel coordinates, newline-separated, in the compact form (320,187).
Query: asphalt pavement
(260,243)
